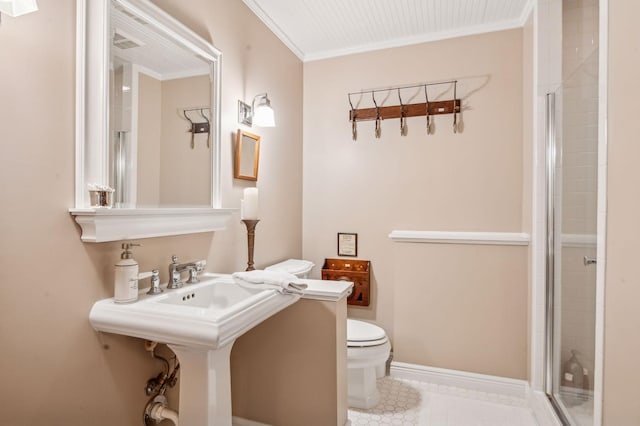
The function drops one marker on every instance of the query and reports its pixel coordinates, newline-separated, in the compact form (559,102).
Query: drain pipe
(160,412)
(157,411)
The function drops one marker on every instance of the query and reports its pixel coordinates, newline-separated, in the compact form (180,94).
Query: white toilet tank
(298,267)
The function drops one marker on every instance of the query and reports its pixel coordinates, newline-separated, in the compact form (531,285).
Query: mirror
(247,156)
(160,97)
(156,138)
(136,64)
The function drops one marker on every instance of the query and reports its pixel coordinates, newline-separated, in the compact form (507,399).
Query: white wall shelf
(450,237)
(100,225)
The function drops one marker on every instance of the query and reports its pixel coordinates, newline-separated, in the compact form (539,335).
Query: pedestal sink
(199,322)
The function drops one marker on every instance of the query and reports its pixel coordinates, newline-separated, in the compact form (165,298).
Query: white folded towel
(283,282)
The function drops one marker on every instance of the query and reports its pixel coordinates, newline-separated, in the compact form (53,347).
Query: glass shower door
(573,184)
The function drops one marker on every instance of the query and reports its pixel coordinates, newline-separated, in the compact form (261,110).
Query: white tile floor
(408,403)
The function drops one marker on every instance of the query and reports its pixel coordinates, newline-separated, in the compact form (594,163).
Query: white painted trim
(526,11)
(460,379)
(601,251)
(578,240)
(81,30)
(239,421)
(266,19)
(451,237)
(536,304)
(542,409)
(172,75)
(100,225)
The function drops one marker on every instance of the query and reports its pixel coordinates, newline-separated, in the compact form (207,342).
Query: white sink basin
(199,322)
(208,314)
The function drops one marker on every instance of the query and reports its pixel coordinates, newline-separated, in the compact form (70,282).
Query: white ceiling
(317,29)
(161,56)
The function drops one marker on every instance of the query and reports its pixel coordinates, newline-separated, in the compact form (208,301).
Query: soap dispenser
(573,372)
(126,279)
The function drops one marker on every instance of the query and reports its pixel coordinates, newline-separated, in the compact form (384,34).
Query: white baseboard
(461,379)
(536,400)
(239,421)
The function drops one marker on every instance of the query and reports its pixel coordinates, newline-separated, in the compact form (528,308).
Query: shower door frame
(548,199)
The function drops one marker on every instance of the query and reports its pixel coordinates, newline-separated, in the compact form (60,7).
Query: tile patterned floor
(412,403)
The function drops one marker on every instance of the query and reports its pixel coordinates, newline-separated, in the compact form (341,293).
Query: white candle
(250,204)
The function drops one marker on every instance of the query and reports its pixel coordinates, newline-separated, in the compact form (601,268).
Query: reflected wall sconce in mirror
(247,156)
(15,8)
(259,112)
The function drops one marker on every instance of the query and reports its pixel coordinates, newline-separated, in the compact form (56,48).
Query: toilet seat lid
(360,331)
(292,266)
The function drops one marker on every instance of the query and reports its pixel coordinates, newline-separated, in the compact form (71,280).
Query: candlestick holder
(251,234)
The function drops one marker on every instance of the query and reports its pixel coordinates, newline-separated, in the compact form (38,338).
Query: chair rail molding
(454,237)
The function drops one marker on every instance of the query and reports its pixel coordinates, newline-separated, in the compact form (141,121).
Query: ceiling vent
(124,41)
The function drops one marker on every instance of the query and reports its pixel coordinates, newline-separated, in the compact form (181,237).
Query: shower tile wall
(579,179)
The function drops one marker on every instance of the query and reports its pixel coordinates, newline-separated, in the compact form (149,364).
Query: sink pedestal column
(205,385)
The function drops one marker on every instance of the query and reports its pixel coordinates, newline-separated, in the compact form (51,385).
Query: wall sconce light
(15,8)
(259,112)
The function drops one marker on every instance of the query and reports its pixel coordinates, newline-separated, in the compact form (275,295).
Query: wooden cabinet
(356,271)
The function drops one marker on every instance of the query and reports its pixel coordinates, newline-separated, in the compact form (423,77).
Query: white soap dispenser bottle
(126,279)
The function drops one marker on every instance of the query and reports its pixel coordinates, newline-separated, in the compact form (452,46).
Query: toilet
(368,348)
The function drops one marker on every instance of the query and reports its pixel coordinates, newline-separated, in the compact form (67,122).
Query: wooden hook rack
(410,110)
(451,106)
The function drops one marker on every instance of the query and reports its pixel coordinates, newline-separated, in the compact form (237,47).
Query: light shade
(262,112)
(18,7)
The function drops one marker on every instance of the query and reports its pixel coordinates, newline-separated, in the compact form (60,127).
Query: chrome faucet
(176,269)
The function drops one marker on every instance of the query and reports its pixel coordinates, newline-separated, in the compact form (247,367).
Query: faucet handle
(194,269)
(174,259)
(155,283)
(200,264)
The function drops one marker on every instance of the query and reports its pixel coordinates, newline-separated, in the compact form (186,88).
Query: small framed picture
(347,244)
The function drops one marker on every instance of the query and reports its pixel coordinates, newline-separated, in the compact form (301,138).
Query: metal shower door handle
(589,260)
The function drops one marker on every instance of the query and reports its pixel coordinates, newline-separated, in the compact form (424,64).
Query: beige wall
(465,310)
(56,369)
(465,182)
(148,144)
(281,367)
(622,316)
(186,173)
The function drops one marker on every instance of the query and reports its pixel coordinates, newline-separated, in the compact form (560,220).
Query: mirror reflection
(160,109)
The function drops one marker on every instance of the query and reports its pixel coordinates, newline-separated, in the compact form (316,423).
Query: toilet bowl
(368,348)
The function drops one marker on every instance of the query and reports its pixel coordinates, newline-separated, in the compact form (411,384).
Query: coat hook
(429,118)
(378,130)
(455,113)
(403,117)
(207,127)
(354,129)
(192,130)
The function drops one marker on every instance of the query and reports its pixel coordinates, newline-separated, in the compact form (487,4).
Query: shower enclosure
(572,207)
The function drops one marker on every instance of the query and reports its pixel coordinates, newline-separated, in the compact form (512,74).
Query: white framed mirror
(147,124)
